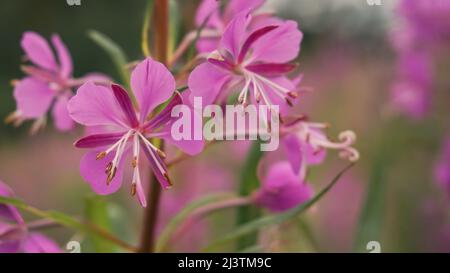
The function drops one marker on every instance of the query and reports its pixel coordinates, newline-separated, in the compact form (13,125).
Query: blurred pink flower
(127,131)
(14,234)
(49,82)
(214,21)
(306,144)
(250,60)
(281,189)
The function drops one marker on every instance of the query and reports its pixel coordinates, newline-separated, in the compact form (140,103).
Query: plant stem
(150,217)
(161,17)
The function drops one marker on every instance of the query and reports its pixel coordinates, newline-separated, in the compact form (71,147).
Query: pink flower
(282,189)
(48,84)
(14,234)
(127,132)
(254,62)
(214,22)
(306,144)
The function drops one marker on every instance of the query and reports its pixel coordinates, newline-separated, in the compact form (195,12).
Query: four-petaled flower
(49,82)
(127,131)
(253,62)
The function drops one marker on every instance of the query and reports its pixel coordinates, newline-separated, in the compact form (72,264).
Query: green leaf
(248,183)
(172,226)
(115,52)
(274,219)
(370,222)
(97,212)
(146,28)
(67,221)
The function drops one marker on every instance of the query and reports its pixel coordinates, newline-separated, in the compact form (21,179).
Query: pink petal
(271,69)
(61,117)
(96,105)
(273,47)
(234,35)
(206,81)
(164,117)
(38,243)
(125,103)
(208,10)
(99,140)
(38,50)
(93,171)
(252,38)
(64,58)
(282,189)
(293,152)
(313,157)
(33,97)
(159,172)
(206,45)
(234,7)
(7,211)
(152,85)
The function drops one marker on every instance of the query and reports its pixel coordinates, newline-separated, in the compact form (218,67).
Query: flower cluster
(424,27)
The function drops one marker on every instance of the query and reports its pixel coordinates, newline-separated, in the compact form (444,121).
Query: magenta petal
(33,97)
(190,147)
(38,243)
(38,50)
(208,10)
(164,117)
(206,81)
(158,166)
(252,38)
(61,118)
(282,189)
(152,85)
(293,152)
(234,35)
(93,171)
(273,47)
(313,157)
(125,103)
(96,105)
(99,140)
(64,58)
(271,69)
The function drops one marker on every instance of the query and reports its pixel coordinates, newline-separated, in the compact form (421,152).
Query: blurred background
(390,196)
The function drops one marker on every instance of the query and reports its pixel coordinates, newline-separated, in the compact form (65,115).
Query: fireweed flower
(48,83)
(442,168)
(306,144)
(282,189)
(126,130)
(253,62)
(14,234)
(214,21)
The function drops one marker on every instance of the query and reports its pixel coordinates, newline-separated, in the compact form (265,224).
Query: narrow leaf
(274,219)
(114,51)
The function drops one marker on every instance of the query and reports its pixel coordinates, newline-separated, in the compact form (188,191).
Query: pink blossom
(14,234)
(48,84)
(306,144)
(214,22)
(128,131)
(253,62)
(282,189)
